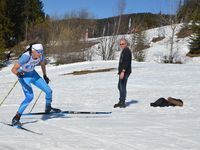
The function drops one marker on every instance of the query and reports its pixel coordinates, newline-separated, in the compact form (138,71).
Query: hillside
(158,51)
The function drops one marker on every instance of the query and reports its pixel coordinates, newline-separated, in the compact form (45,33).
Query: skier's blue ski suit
(30,76)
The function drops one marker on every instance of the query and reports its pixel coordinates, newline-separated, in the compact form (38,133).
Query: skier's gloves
(20,74)
(46,79)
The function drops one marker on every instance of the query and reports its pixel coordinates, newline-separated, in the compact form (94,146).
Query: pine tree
(195,39)
(187,10)
(138,43)
(5,24)
(29,13)
(195,42)
(16,17)
(2,6)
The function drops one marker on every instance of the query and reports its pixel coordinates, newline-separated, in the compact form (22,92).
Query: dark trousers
(122,87)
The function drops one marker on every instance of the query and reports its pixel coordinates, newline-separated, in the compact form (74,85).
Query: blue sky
(108,8)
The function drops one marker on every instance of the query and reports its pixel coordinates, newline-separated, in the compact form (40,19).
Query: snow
(137,127)
(159,50)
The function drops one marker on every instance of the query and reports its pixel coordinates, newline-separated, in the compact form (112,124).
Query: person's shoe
(15,120)
(50,109)
(120,104)
(123,105)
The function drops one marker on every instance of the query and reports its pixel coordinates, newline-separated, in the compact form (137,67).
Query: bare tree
(121,9)
(173,20)
(79,14)
(68,43)
(106,47)
(55,29)
(173,25)
(138,43)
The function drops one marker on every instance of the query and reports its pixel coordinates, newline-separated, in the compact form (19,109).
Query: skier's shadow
(52,116)
(29,122)
(131,102)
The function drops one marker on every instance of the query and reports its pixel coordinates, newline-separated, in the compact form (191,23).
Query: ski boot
(120,104)
(15,120)
(50,109)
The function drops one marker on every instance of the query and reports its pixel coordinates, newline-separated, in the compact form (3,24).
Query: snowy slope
(160,49)
(137,127)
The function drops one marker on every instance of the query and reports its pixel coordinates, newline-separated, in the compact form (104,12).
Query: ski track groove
(88,135)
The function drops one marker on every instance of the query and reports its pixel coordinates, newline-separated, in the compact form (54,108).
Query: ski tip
(109,112)
(9,124)
(18,127)
(104,113)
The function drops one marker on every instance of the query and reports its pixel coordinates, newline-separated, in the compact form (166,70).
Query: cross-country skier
(24,69)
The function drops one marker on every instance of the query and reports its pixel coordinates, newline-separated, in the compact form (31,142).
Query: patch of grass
(82,72)
(156,39)
(184,32)
(193,55)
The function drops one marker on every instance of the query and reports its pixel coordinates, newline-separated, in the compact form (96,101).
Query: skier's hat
(35,46)
(38,48)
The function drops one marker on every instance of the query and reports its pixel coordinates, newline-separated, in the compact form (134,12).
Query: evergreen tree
(6,24)
(188,9)
(195,39)
(138,43)
(29,13)
(2,6)
(17,17)
(195,42)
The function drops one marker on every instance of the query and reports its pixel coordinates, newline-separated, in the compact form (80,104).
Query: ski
(69,112)
(21,128)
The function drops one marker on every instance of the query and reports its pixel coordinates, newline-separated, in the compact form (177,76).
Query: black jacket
(125,61)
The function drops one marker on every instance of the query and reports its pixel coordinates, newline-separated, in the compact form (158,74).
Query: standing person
(124,70)
(24,69)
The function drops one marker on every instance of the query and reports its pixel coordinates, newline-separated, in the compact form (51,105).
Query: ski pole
(9,92)
(35,101)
